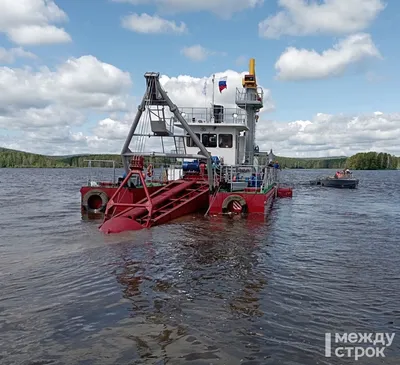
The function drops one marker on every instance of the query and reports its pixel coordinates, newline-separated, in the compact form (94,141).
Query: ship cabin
(221,130)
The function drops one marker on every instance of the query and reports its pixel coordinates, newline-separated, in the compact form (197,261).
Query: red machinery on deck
(174,200)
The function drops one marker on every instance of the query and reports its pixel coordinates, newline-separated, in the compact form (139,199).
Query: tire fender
(231,198)
(104,200)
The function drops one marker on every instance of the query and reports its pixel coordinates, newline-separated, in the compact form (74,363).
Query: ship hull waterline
(216,205)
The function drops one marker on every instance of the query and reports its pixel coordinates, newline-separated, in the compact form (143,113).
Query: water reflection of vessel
(212,163)
(204,292)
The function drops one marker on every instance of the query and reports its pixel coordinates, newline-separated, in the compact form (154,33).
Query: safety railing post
(231,177)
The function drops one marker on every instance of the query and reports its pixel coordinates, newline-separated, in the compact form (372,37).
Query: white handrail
(241,173)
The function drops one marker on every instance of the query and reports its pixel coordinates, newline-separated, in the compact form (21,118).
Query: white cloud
(30,22)
(114,129)
(38,34)
(59,140)
(196,52)
(46,110)
(300,17)
(83,82)
(199,53)
(222,8)
(144,23)
(241,60)
(42,101)
(301,64)
(33,119)
(332,135)
(10,55)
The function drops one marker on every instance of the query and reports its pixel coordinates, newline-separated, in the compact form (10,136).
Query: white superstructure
(222,133)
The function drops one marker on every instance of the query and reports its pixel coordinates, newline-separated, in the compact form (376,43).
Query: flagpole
(213,99)
(205,95)
(213,93)
(204,92)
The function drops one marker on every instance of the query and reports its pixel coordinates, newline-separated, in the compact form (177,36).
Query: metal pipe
(231,179)
(213,97)
(252,66)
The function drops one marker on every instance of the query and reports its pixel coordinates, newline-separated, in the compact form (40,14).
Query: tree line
(360,161)
(312,163)
(19,159)
(373,161)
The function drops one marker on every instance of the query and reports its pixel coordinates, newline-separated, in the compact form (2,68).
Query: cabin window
(209,140)
(190,142)
(225,140)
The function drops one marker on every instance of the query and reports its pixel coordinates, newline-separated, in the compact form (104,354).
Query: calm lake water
(199,291)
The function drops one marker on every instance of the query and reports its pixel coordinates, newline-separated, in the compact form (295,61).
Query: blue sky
(99,33)
(360,79)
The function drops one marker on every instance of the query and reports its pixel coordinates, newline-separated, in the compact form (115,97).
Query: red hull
(250,201)
(257,203)
(95,199)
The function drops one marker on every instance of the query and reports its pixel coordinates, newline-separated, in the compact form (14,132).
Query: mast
(250,98)
(213,99)
(213,89)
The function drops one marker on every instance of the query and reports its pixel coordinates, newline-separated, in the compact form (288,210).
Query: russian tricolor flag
(222,83)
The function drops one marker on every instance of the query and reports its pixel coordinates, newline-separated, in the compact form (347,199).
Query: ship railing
(158,173)
(271,177)
(216,115)
(99,172)
(161,173)
(243,96)
(155,173)
(262,177)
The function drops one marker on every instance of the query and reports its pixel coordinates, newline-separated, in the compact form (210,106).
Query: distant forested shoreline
(360,161)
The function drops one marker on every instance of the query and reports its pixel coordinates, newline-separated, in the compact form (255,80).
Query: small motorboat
(342,179)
